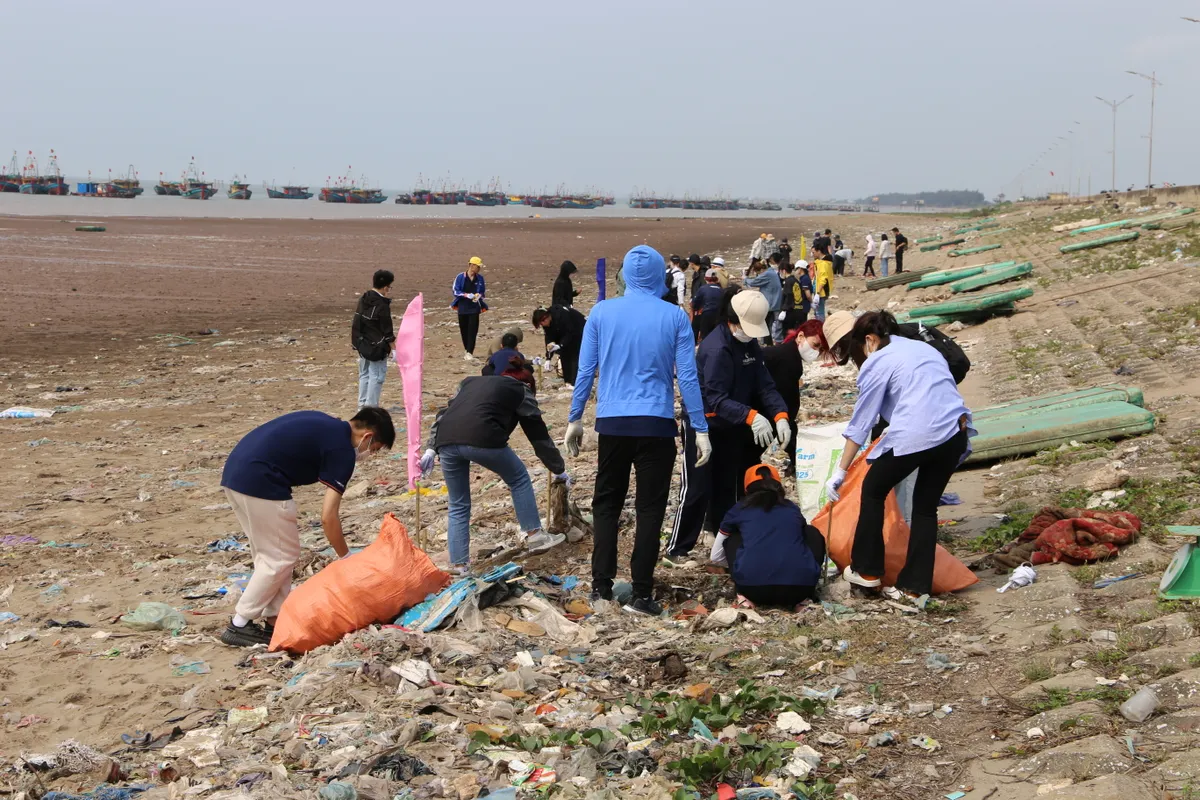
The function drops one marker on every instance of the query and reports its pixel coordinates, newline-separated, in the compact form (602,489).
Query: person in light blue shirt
(909,384)
(640,346)
(771,285)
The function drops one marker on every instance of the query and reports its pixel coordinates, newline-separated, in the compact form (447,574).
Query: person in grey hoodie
(769,283)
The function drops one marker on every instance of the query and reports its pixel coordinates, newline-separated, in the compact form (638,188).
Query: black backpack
(956,359)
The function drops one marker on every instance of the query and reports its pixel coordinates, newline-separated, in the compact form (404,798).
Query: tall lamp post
(1114,104)
(1154,84)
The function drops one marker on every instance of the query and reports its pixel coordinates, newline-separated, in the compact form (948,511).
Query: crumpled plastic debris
(155,617)
(1021,576)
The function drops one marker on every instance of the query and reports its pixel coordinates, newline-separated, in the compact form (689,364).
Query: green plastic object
(939,245)
(992,277)
(908,276)
(155,617)
(983,248)
(971,317)
(1061,400)
(1088,245)
(1023,434)
(928,239)
(1122,223)
(91,228)
(946,277)
(966,305)
(1181,578)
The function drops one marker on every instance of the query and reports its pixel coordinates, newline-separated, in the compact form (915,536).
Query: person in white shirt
(840,259)
(872,251)
(885,255)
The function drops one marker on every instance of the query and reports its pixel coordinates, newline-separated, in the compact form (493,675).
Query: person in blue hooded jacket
(771,285)
(641,346)
(469,290)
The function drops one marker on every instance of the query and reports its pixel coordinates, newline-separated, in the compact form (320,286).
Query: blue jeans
(776,327)
(370,381)
(883,267)
(456,469)
(819,308)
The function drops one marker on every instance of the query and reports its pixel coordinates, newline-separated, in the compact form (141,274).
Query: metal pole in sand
(420,533)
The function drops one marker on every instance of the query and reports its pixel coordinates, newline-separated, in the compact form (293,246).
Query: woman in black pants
(804,344)
(469,290)
(908,383)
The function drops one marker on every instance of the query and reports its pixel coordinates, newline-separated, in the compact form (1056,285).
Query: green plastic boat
(983,248)
(1061,400)
(1122,223)
(992,277)
(1181,578)
(929,248)
(1023,434)
(927,239)
(972,317)
(1120,237)
(908,276)
(966,305)
(946,277)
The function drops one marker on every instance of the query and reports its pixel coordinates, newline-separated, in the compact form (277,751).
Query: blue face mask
(360,452)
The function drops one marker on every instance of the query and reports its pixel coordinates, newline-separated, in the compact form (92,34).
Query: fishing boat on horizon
(167,188)
(195,186)
(110,188)
(10,180)
(239,190)
(49,182)
(367,196)
(288,193)
(130,183)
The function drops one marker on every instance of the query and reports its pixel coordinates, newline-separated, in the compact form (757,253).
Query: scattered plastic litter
(938,662)
(8,616)
(1023,575)
(228,545)
(925,743)
(24,412)
(1141,706)
(155,617)
(182,665)
(15,540)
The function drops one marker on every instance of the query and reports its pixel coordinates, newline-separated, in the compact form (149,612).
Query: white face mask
(808,353)
(361,453)
(741,335)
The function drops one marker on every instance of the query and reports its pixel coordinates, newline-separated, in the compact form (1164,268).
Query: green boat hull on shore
(992,277)
(1032,432)
(1060,400)
(970,251)
(1120,237)
(969,305)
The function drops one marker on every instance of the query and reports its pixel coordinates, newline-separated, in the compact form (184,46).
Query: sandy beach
(115,500)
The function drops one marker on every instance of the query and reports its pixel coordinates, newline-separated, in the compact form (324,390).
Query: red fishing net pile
(1077,536)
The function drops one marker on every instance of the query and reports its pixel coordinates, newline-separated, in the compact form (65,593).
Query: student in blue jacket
(469,290)
(773,554)
(745,413)
(641,346)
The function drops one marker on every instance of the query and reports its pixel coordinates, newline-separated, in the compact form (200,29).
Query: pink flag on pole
(410,358)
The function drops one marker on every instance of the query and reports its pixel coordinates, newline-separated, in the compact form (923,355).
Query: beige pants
(270,525)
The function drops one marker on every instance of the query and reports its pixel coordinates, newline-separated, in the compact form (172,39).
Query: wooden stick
(420,533)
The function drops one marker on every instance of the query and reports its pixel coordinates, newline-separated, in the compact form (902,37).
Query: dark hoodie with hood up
(371,332)
(564,291)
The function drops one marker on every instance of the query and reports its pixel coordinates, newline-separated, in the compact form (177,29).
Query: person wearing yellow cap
(469,290)
(756,249)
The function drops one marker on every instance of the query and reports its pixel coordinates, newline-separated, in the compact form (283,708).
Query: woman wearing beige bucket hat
(909,384)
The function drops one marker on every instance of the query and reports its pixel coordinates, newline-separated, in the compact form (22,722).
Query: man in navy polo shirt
(297,449)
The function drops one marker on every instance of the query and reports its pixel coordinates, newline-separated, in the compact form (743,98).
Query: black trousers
(708,492)
(869,267)
(937,464)
(653,458)
(899,261)
(569,358)
(468,326)
(705,323)
(839,265)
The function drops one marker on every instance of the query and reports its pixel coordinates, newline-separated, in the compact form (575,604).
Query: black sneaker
(601,594)
(644,605)
(248,635)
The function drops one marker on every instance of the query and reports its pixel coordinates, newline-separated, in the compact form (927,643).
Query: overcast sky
(775,99)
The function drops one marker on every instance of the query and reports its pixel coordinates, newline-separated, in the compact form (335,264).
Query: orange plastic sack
(373,585)
(949,574)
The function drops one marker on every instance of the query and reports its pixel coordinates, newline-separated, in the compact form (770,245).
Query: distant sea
(259,206)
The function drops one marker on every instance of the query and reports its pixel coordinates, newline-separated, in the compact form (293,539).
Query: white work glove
(782,316)
(426,462)
(703,449)
(574,438)
(783,432)
(565,478)
(834,484)
(761,428)
(553,348)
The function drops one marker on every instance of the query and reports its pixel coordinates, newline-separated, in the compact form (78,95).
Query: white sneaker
(541,541)
(468,357)
(459,570)
(858,580)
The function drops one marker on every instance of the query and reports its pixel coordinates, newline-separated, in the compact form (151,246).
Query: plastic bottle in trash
(1139,707)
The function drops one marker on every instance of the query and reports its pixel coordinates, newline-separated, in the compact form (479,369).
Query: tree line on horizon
(943,198)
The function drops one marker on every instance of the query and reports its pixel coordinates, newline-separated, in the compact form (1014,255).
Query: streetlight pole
(1154,83)
(1114,105)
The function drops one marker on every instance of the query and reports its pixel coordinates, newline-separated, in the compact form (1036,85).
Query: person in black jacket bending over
(563,328)
(371,336)
(564,293)
(737,391)
(474,428)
